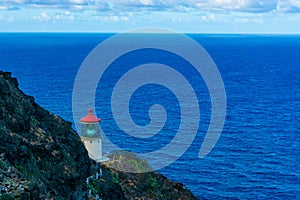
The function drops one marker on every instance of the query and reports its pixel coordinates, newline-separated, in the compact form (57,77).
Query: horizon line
(115,32)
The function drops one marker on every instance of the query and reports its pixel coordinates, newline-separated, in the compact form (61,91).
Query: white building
(91,136)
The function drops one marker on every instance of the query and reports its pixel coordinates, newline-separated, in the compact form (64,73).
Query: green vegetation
(139,165)
(19,167)
(7,196)
(93,186)
(136,164)
(115,178)
(34,121)
(153,182)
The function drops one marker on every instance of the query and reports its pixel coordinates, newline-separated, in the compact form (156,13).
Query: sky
(188,16)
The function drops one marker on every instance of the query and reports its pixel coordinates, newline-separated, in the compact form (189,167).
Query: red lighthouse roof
(90,118)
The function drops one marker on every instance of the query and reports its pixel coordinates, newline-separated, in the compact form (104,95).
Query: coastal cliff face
(42,157)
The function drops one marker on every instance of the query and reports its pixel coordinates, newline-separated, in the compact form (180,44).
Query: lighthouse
(91,136)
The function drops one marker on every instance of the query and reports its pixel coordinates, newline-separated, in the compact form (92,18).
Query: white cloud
(147,2)
(168,5)
(45,16)
(204,18)
(289,6)
(151,12)
(238,5)
(208,18)
(58,16)
(42,17)
(4,7)
(212,17)
(124,18)
(78,2)
(112,18)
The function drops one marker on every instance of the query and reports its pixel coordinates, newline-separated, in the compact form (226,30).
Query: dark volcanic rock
(152,185)
(41,146)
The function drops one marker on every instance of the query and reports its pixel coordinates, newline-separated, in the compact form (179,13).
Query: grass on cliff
(128,162)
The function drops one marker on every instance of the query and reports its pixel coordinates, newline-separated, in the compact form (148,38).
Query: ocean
(258,153)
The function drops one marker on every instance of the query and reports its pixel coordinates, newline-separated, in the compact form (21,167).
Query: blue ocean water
(257,155)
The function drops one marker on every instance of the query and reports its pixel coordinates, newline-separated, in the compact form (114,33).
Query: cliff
(42,157)
(44,152)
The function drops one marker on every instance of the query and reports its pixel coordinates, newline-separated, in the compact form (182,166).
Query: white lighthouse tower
(91,136)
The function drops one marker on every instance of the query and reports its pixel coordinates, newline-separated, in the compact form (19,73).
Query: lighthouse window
(98,141)
(90,129)
(91,142)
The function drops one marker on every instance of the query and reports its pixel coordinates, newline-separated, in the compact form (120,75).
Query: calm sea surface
(258,154)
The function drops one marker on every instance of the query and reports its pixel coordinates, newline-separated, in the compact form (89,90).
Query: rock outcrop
(117,184)
(42,148)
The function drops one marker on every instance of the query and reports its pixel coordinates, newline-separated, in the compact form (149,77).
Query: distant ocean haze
(257,155)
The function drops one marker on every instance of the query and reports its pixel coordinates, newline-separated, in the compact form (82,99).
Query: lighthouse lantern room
(91,136)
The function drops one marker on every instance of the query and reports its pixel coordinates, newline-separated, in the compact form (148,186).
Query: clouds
(167,5)
(127,14)
(289,6)
(45,16)
(240,5)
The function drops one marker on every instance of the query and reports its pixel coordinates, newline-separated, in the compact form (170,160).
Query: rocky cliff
(43,150)
(42,157)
